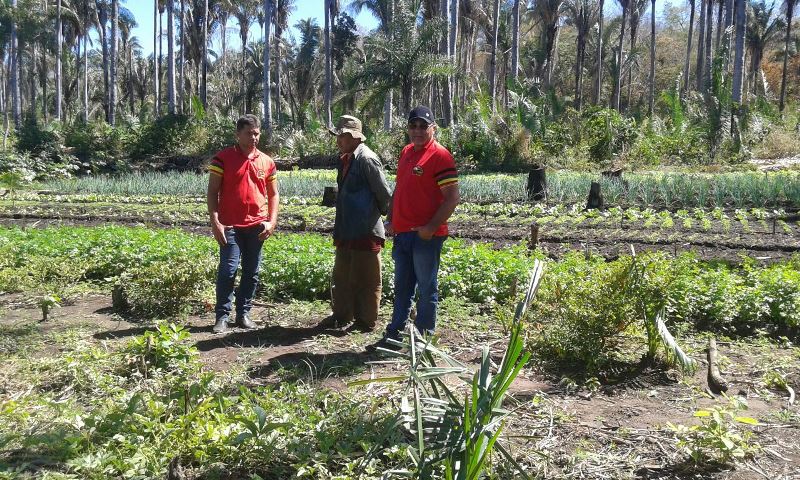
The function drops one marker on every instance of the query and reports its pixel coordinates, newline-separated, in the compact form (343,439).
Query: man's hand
(425,232)
(388,228)
(269,228)
(219,233)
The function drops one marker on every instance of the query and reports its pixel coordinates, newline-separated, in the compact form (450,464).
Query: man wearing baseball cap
(425,196)
(358,232)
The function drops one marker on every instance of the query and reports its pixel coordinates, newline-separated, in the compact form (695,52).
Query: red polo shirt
(243,194)
(421,176)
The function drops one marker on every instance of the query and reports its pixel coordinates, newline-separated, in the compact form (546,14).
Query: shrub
(607,133)
(164,289)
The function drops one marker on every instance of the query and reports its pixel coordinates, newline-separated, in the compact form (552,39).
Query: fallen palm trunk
(716,383)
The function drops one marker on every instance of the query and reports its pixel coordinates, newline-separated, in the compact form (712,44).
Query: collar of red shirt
(252,154)
(426,147)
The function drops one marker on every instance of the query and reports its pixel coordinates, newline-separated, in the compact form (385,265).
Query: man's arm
(273,200)
(212,200)
(451,199)
(378,185)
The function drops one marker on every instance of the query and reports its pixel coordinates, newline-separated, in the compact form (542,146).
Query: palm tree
(738,60)
(688,48)
(156,58)
(306,62)
(582,14)
(266,105)
(548,12)
(112,97)
(789,5)
(171,57)
(709,54)
(59,49)
(762,28)
(636,11)
(244,11)
(328,61)
(652,80)
(701,45)
(620,55)
(382,10)
(599,54)
(15,57)
(493,65)
(281,20)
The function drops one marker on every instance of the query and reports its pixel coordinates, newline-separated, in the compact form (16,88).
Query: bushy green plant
(719,437)
(99,146)
(164,289)
(607,133)
(167,347)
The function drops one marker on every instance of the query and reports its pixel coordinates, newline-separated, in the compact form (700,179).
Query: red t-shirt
(421,175)
(243,194)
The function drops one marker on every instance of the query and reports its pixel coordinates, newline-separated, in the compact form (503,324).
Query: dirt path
(617,431)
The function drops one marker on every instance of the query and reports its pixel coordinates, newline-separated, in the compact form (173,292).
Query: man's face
(247,137)
(346,143)
(420,132)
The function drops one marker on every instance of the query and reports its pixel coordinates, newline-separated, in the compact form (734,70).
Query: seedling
(47,303)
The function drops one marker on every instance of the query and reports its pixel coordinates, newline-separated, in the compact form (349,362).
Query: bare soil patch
(616,431)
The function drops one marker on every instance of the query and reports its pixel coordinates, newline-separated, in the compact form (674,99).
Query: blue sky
(143,12)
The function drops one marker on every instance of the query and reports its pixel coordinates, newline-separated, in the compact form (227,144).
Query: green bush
(164,289)
(607,133)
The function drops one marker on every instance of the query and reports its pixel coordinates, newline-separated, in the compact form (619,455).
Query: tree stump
(716,383)
(329,196)
(595,200)
(534,236)
(537,184)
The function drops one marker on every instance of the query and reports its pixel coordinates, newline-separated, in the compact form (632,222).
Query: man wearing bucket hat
(358,231)
(425,196)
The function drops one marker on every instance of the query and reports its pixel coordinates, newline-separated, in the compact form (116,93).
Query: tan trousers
(356,288)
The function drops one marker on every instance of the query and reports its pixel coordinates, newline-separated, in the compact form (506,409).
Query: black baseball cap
(421,112)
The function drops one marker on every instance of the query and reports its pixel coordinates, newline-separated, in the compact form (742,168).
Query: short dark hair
(248,120)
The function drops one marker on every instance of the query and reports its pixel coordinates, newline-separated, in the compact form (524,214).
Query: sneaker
(221,326)
(243,321)
(332,321)
(384,343)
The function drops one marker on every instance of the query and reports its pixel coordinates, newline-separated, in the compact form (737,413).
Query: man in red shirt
(424,198)
(243,205)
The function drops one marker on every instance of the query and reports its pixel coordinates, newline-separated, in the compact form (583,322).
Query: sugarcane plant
(454,435)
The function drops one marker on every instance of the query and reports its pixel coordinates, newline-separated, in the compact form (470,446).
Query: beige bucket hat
(348,124)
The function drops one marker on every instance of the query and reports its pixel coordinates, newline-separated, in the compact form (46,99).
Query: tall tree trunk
(103,19)
(651,94)
(620,58)
(493,64)
(131,99)
(708,62)
(204,87)
(170,57)
(789,14)
(157,58)
(598,86)
(59,47)
(447,83)
(278,62)
(388,100)
(328,63)
(580,54)
(86,72)
(515,41)
(266,97)
(15,57)
(719,24)
(634,36)
(688,48)
(112,97)
(701,42)
(453,61)
(182,59)
(738,59)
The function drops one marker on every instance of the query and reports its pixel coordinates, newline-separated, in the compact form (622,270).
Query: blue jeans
(416,264)
(243,244)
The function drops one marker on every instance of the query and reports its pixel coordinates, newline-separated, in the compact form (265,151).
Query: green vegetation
(583,308)
(644,190)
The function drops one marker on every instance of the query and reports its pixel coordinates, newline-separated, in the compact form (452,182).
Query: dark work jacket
(362,198)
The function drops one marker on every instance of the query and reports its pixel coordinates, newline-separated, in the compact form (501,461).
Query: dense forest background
(566,83)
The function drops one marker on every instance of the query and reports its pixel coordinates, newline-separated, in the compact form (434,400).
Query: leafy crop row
(653,190)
